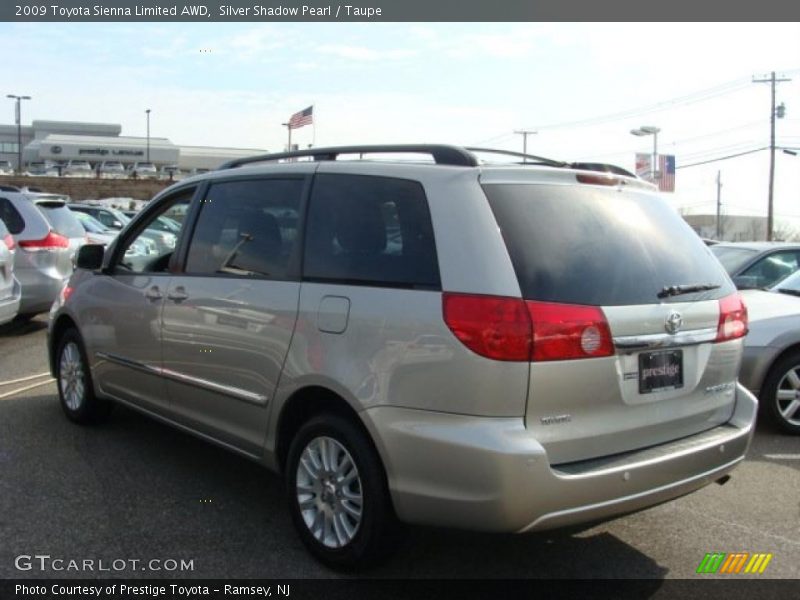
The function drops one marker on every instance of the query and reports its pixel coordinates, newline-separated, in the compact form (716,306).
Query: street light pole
(651,130)
(525,133)
(148,135)
(18,114)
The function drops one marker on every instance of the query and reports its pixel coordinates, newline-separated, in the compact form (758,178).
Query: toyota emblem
(674,322)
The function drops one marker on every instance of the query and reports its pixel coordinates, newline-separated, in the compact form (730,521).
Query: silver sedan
(771,361)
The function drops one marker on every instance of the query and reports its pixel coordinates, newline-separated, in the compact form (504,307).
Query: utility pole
(525,133)
(772,80)
(719,205)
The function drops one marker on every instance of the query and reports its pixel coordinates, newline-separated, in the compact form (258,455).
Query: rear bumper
(491,475)
(9,306)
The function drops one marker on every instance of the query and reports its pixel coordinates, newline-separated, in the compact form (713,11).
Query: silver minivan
(443,341)
(47,237)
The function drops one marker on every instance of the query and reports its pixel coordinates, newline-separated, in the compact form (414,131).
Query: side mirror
(116,224)
(90,257)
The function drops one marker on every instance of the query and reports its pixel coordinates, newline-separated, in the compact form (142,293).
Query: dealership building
(62,141)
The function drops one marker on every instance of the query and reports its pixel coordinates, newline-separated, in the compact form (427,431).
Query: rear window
(601,247)
(733,258)
(61,219)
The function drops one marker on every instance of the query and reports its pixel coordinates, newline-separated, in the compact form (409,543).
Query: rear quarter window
(372,231)
(600,246)
(11,217)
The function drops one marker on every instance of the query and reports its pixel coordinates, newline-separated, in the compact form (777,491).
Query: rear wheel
(780,394)
(337,494)
(74,382)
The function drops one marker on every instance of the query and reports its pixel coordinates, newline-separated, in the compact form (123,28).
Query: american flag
(304,117)
(666,168)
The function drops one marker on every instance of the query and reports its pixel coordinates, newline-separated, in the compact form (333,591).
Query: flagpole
(289,128)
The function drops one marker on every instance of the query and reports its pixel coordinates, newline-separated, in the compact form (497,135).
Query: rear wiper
(788,291)
(677,290)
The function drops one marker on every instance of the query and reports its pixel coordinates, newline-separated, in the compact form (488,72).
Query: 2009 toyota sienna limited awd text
(450,342)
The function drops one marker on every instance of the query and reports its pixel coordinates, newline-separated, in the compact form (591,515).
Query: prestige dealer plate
(660,371)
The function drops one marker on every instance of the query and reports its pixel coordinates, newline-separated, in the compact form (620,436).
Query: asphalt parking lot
(135,489)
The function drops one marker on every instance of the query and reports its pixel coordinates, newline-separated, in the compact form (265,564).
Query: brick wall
(91,189)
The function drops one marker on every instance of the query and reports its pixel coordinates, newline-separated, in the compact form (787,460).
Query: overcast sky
(227,84)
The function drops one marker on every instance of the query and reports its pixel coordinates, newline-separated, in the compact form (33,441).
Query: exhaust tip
(723,480)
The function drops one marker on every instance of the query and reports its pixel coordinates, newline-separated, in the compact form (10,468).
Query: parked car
(43,168)
(6,168)
(771,361)
(758,265)
(485,347)
(111,169)
(47,236)
(171,173)
(96,233)
(10,290)
(143,170)
(115,219)
(78,168)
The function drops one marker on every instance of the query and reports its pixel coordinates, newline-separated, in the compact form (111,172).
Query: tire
(74,381)
(347,520)
(780,394)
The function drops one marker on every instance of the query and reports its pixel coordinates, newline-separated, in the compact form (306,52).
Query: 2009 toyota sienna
(497,347)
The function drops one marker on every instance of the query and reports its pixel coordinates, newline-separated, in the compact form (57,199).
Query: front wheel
(74,382)
(337,494)
(780,394)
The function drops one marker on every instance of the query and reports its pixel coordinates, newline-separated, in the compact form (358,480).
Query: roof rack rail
(441,154)
(526,158)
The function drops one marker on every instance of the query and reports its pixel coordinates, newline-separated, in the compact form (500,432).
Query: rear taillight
(52,241)
(569,331)
(732,318)
(493,326)
(8,239)
(513,329)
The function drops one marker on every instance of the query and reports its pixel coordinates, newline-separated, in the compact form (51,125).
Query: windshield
(601,246)
(90,223)
(792,282)
(731,257)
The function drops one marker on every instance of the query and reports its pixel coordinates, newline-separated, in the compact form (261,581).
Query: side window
(246,228)
(11,217)
(772,268)
(371,230)
(149,249)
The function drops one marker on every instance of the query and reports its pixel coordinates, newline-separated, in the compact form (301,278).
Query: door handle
(154,293)
(178,294)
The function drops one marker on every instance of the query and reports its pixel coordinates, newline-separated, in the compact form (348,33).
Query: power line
(705,162)
(699,96)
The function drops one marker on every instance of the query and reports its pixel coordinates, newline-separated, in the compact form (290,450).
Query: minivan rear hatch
(65,224)
(625,303)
